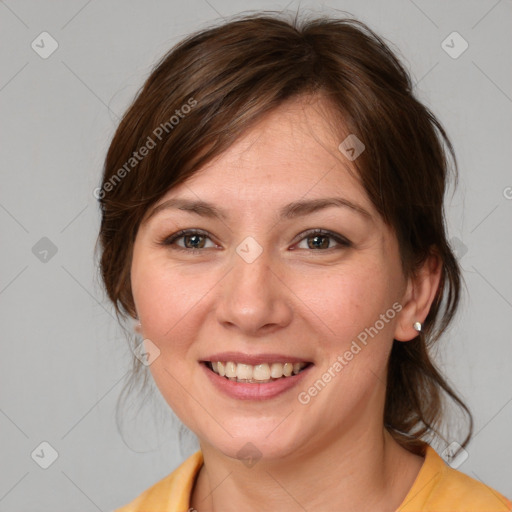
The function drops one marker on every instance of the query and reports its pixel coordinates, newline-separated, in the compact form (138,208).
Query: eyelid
(339,239)
(169,240)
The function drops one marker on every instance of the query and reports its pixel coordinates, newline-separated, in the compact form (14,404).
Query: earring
(417,326)
(138,328)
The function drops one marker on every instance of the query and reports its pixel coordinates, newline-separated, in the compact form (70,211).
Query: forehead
(291,153)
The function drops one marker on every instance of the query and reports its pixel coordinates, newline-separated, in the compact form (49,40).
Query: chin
(254,441)
(253,450)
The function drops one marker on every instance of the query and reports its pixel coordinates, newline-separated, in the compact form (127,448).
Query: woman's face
(253,286)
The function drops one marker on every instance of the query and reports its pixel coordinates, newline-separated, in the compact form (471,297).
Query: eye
(193,240)
(319,239)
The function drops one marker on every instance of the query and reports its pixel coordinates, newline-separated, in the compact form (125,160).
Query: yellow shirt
(437,488)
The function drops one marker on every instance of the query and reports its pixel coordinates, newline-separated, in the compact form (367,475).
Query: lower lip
(247,391)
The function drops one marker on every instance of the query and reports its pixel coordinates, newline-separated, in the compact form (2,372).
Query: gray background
(64,357)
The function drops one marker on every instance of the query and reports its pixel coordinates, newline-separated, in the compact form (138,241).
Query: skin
(332,453)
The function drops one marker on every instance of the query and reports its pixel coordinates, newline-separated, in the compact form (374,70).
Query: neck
(349,474)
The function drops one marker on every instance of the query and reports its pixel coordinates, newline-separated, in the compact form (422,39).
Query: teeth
(230,369)
(276,370)
(243,371)
(259,373)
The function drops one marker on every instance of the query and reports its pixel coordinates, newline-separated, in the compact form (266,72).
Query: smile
(255,374)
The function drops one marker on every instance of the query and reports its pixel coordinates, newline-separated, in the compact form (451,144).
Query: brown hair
(215,84)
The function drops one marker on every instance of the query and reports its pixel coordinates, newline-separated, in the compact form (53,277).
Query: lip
(253,359)
(251,391)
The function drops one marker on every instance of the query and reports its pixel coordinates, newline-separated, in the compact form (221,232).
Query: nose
(253,298)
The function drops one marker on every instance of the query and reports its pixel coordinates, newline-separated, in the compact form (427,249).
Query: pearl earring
(417,326)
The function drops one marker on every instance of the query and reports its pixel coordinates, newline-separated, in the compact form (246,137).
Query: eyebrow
(290,211)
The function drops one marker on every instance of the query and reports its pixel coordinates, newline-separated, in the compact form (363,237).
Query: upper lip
(253,359)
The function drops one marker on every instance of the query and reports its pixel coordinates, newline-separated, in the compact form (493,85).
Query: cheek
(168,299)
(348,300)
(165,294)
(357,307)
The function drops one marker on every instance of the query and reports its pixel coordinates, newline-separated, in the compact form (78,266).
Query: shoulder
(458,491)
(440,488)
(171,493)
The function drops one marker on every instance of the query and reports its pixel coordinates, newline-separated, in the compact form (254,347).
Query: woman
(272,216)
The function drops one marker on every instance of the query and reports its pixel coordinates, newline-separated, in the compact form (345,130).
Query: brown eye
(192,240)
(318,242)
(321,239)
(196,241)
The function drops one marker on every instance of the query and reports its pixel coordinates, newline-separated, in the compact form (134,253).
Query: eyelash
(169,241)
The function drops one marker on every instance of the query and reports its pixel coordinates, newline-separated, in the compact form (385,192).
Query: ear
(421,291)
